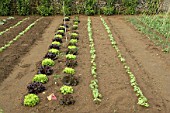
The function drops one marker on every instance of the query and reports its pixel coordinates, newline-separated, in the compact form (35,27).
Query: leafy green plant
(76,23)
(75,27)
(56,43)
(73,41)
(66,90)
(130,6)
(68,70)
(48,62)
(55,51)
(74,36)
(94,83)
(2,32)
(23,7)
(40,78)
(72,49)
(90,7)
(31,100)
(5,7)
(58,36)
(108,10)
(45,8)
(142,100)
(70,56)
(18,36)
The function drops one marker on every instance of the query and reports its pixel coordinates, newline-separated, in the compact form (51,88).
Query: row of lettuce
(142,100)
(19,35)
(48,63)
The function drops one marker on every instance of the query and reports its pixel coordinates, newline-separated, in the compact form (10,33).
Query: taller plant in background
(152,6)
(5,7)
(109,8)
(23,7)
(45,8)
(90,7)
(67,7)
(130,6)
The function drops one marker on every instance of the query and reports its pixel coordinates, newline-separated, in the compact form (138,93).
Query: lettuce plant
(35,87)
(58,36)
(40,78)
(48,62)
(76,23)
(56,43)
(31,100)
(74,36)
(66,90)
(75,27)
(70,57)
(73,41)
(68,70)
(54,51)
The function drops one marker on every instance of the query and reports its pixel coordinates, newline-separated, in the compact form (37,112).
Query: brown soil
(10,22)
(11,56)
(147,62)
(12,33)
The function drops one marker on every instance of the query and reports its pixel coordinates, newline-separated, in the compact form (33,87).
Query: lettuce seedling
(66,90)
(58,36)
(56,43)
(40,78)
(55,51)
(48,62)
(74,35)
(68,70)
(70,57)
(75,27)
(76,23)
(73,41)
(35,87)
(31,100)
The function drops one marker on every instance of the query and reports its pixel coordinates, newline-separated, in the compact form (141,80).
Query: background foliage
(88,7)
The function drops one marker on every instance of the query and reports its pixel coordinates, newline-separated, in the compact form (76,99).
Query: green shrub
(48,62)
(40,78)
(66,90)
(108,10)
(45,8)
(23,7)
(5,7)
(31,100)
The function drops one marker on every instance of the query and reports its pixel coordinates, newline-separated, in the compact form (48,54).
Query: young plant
(56,43)
(47,70)
(35,87)
(72,50)
(54,51)
(68,70)
(142,100)
(75,27)
(94,83)
(31,100)
(76,23)
(40,78)
(67,100)
(74,36)
(48,62)
(73,42)
(61,28)
(60,32)
(58,38)
(70,57)
(66,90)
